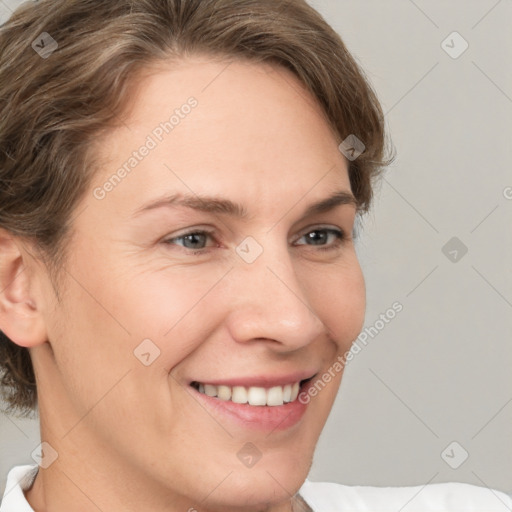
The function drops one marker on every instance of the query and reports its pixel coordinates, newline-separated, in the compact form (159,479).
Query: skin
(131,437)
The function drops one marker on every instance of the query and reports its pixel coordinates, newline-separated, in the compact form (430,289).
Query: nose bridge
(270,302)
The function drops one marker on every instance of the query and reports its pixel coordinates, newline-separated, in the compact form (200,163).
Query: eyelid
(192,231)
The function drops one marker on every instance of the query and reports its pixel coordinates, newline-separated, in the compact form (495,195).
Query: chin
(244,491)
(257,488)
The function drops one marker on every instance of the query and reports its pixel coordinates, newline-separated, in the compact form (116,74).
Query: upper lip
(264,381)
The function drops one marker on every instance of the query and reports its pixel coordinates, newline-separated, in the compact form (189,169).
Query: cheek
(88,343)
(169,307)
(109,320)
(338,297)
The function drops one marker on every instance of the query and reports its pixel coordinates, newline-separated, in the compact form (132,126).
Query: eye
(195,240)
(321,235)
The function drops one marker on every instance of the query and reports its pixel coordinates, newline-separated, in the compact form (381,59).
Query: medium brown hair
(53,108)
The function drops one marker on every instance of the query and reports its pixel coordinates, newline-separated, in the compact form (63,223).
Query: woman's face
(152,303)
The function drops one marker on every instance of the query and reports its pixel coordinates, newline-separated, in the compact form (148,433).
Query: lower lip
(258,417)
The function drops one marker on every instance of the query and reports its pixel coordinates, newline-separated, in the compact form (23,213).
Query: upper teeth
(276,395)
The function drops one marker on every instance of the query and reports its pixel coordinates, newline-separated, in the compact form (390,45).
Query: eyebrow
(215,204)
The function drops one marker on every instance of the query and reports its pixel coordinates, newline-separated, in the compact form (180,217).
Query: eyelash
(339,234)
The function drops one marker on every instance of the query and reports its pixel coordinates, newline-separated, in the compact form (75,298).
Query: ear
(21,318)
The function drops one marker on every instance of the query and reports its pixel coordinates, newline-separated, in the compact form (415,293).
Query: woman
(180,181)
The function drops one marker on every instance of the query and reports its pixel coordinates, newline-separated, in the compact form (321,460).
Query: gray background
(439,372)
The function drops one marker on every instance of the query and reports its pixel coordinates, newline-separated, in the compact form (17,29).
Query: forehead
(253,128)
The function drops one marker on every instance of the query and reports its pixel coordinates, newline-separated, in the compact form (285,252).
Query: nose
(268,301)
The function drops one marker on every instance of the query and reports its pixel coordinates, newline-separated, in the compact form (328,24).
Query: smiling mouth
(252,395)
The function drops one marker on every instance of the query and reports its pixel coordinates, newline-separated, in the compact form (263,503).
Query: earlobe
(21,318)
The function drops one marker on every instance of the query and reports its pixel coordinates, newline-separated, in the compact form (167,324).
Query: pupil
(193,238)
(314,238)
